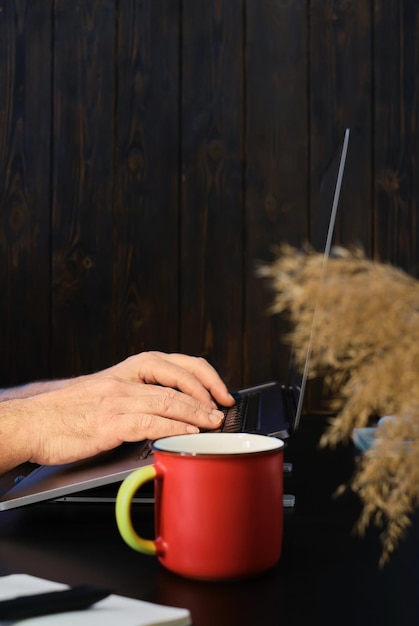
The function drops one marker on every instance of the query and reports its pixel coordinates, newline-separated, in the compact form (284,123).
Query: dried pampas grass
(361,321)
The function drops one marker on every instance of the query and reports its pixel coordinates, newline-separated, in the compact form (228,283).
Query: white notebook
(107,612)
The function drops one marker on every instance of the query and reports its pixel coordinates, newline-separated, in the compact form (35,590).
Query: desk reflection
(253,601)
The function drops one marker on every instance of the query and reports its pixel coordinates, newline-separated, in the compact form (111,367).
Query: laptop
(268,409)
(272,409)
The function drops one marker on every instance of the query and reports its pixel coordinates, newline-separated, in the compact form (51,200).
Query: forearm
(32,389)
(13,436)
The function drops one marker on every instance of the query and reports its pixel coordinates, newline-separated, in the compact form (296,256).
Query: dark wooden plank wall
(212,218)
(153,151)
(396,145)
(25,177)
(82,138)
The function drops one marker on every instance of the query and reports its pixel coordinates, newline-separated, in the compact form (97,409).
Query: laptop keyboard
(145,450)
(234,417)
(243,416)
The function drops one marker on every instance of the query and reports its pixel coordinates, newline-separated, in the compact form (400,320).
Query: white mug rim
(205,444)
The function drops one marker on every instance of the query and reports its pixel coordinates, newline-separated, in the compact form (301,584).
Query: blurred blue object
(364,438)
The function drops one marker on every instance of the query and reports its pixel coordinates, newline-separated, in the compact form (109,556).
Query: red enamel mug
(218,504)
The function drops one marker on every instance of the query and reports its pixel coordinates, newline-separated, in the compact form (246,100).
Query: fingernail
(216,416)
(192,429)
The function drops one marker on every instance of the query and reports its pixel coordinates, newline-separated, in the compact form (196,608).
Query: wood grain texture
(396,144)
(211,220)
(341,96)
(146,203)
(82,183)
(25,92)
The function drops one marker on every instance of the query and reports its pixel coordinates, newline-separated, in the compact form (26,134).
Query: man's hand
(147,396)
(192,375)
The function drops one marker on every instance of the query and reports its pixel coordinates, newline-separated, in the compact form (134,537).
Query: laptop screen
(326,251)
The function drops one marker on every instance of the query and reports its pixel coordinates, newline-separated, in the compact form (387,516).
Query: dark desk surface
(326,574)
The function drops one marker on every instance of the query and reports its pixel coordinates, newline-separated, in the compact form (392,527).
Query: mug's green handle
(124,498)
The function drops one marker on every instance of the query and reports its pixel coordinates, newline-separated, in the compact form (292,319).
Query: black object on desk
(74,599)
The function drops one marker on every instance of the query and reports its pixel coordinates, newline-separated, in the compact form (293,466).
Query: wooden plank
(146,274)
(25,66)
(83,135)
(341,97)
(212,184)
(396,145)
(276,167)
